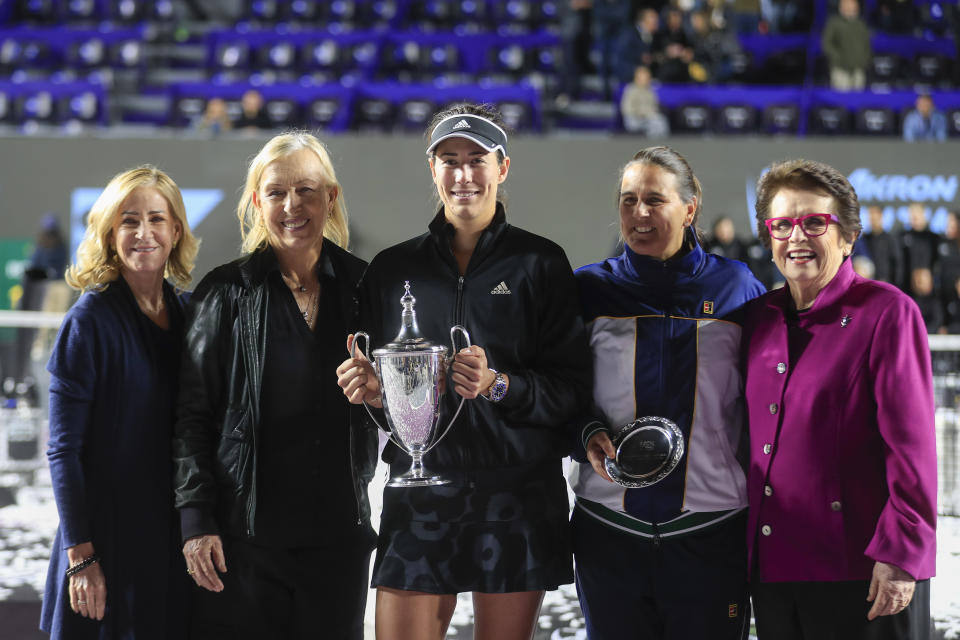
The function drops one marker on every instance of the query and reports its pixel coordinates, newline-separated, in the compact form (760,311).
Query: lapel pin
(845,320)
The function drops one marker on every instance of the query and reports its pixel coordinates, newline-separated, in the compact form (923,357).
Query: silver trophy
(411,372)
(648,449)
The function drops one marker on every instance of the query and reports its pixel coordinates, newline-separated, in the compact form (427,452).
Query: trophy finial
(409,331)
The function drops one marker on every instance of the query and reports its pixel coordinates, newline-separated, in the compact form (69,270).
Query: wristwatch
(498,389)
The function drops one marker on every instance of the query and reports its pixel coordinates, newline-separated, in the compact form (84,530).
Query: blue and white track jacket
(665,338)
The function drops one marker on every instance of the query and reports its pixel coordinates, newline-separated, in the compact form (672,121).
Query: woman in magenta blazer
(843,466)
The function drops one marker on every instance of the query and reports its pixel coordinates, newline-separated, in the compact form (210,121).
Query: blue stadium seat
(231,55)
(736,119)
(128,11)
(322,112)
(781,118)
(37,11)
(875,121)
(84,107)
(305,10)
(933,70)
(280,55)
(321,55)
(953,123)
(692,118)
(36,106)
(829,120)
(6,108)
(81,10)
(282,112)
(886,71)
(415,113)
(517,115)
(87,53)
(373,114)
(264,10)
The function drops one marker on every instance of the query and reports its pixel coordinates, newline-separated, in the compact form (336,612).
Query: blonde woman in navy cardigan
(116,569)
(843,466)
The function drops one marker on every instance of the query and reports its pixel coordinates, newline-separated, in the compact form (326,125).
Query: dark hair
(811,176)
(688,187)
(485,110)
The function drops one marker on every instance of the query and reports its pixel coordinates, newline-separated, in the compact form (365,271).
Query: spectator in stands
(883,248)
(919,243)
(724,242)
(895,16)
(760,261)
(842,536)
(271,464)
(925,122)
(660,546)
(931,305)
(746,15)
(47,264)
(253,114)
(785,16)
(846,44)
(713,49)
(675,51)
(639,44)
(640,107)
(948,256)
(863,266)
(577,25)
(952,308)
(116,571)
(499,528)
(610,17)
(215,119)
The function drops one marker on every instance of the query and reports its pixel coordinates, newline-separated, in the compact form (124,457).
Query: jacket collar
(442,231)
(828,296)
(688,264)
(261,263)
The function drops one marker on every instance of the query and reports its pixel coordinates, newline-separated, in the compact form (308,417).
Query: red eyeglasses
(812,225)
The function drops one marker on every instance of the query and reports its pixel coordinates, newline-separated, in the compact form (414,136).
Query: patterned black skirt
(498,532)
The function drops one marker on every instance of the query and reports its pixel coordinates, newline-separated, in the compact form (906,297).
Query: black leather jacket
(218,409)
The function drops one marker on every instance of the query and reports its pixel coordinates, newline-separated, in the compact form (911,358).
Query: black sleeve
(557,384)
(203,373)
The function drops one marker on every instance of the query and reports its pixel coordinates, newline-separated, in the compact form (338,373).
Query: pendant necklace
(309,312)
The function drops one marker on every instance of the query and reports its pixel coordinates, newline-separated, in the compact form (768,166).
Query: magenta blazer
(843,463)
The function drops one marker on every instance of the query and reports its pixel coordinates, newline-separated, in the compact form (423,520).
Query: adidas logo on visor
(463,124)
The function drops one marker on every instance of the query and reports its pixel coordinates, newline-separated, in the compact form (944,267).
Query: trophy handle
(356,346)
(453,349)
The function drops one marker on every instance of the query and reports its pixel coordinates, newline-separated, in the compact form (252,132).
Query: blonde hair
(97,262)
(252,230)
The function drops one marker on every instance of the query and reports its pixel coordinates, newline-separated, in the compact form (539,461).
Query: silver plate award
(648,449)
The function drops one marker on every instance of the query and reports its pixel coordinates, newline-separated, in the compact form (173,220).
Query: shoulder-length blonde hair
(252,230)
(97,262)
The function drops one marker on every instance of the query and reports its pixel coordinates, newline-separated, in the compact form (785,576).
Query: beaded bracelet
(83,564)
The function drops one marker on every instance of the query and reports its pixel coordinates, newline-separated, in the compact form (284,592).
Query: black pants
(693,587)
(834,611)
(286,594)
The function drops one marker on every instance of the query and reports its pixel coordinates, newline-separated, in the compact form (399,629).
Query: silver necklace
(308,313)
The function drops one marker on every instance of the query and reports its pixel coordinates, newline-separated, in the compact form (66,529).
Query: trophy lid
(409,339)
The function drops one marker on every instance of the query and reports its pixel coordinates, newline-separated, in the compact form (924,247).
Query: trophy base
(410,480)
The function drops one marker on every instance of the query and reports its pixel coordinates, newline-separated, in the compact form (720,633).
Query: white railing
(23,430)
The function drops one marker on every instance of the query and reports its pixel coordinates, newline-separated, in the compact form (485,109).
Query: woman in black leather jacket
(499,529)
(271,464)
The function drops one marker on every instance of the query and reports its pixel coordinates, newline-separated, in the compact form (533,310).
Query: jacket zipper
(458,310)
